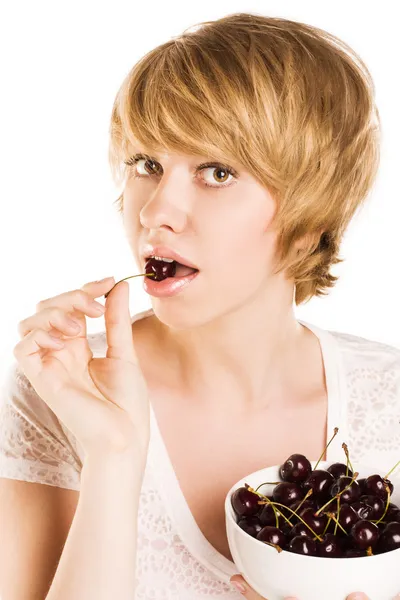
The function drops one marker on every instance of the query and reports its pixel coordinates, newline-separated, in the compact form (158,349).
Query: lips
(166,252)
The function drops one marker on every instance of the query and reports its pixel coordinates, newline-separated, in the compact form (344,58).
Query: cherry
(245,503)
(351,494)
(267,515)
(320,482)
(354,553)
(317,524)
(364,511)
(375,486)
(364,534)
(393,513)
(339,470)
(361,483)
(272,535)
(377,504)
(160,269)
(302,544)
(347,517)
(306,504)
(295,469)
(287,493)
(300,529)
(250,525)
(389,538)
(329,547)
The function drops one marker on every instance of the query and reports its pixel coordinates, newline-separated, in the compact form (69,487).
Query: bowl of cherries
(316,530)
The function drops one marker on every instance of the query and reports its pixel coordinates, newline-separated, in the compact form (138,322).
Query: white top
(174,559)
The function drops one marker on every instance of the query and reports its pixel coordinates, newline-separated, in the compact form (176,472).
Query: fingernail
(104,280)
(239,586)
(357,596)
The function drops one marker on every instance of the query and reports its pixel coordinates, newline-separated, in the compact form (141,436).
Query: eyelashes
(204,166)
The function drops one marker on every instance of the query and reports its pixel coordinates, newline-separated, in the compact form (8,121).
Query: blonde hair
(291,102)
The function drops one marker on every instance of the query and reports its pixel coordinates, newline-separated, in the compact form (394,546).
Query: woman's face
(223,229)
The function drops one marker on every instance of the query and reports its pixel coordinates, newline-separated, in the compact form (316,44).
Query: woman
(244,147)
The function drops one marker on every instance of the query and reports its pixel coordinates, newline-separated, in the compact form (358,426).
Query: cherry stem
(260,495)
(338,512)
(387,505)
(130,277)
(274,545)
(338,494)
(327,525)
(332,516)
(267,483)
(304,499)
(346,451)
(293,513)
(320,458)
(391,470)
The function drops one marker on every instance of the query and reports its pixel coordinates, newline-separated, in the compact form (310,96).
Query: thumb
(119,325)
(243,587)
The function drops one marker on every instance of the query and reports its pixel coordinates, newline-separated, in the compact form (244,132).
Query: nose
(166,207)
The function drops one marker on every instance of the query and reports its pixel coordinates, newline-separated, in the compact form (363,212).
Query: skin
(225,332)
(236,336)
(252,595)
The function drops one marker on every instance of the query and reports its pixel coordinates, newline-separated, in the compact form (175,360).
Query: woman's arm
(98,561)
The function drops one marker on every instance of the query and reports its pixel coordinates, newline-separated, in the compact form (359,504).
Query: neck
(257,356)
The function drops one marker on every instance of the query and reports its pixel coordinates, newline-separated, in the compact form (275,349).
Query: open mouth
(167,268)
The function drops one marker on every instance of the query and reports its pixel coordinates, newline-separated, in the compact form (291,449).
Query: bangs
(180,99)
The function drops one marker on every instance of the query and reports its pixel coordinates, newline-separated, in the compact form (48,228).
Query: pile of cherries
(317,512)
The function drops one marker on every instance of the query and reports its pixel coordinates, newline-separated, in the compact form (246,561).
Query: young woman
(244,147)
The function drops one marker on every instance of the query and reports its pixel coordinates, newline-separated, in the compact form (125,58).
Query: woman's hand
(249,593)
(102,401)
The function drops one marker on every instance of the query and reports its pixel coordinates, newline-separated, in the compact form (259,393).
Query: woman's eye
(216,177)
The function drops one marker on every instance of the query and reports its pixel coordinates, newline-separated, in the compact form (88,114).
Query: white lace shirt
(174,559)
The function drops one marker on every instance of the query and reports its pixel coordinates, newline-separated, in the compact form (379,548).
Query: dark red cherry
(286,493)
(302,544)
(389,538)
(393,513)
(347,516)
(267,514)
(361,483)
(244,502)
(161,269)
(320,482)
(354,553)
(250,525)
(330,547)
(351,494)
(364,534)
(300,529)
(339,470)
(364,511)
(375,486)
(295,469)
(272,535)
(306,504)
(318,523)
(377,505)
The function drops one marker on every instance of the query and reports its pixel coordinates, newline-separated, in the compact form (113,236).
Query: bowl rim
(230,515)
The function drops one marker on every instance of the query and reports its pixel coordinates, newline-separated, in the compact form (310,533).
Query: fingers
(357,596)
(57,314)
(243,587)
(118,324)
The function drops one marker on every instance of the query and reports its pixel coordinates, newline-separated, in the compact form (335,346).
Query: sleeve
(34,445)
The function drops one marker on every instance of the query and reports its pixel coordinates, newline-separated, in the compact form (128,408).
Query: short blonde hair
(291,102)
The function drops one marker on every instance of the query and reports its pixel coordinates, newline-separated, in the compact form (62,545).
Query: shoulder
(361,352)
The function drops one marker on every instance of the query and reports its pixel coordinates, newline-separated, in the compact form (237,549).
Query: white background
(62,64)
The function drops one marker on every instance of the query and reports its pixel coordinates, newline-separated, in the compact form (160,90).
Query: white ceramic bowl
(277,575)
